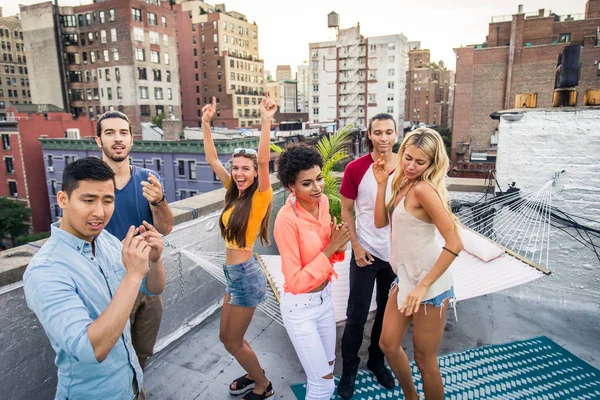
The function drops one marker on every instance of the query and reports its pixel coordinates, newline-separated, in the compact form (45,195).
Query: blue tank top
(131,207)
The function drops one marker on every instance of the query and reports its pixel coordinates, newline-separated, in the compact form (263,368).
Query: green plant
(158,119)
(333,151)
(24,239)
(14,218)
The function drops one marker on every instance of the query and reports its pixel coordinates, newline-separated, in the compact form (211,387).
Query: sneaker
(345,388)
(383,375)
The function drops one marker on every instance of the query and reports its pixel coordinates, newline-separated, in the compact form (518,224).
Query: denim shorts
(437,300)
(246,283)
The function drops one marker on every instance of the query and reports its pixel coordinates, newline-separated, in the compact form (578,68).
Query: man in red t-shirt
(370,254)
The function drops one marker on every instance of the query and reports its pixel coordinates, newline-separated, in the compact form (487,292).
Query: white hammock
(516,227)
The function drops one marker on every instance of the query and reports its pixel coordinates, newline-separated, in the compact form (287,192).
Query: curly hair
(296,158)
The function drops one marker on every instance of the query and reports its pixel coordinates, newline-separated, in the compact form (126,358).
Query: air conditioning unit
(50,169)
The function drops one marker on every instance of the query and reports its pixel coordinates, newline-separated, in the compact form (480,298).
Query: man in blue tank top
(139,197)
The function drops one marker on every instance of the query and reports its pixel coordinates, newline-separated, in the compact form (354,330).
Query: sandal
(256,396)
(242,385)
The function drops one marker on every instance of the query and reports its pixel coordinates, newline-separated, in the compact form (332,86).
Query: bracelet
(158,203)
(450,251)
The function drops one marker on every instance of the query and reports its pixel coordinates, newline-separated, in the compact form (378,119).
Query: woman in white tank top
(418,206)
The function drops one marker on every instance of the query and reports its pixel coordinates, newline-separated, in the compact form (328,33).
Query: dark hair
(110,114)
(236,228)
(85,169)
(378,117)
(296,158)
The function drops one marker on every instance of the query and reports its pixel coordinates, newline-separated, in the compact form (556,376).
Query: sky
(285,28)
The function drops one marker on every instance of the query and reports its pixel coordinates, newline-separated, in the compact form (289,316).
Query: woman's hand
(267,108)
(209,111)
(340,234)
(380,170)
(413,300)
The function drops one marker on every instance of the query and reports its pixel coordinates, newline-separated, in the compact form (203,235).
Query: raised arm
(210,151)
(431,202)
(382,175)
(267,111)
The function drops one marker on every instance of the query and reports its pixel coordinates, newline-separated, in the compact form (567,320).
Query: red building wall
(30,128)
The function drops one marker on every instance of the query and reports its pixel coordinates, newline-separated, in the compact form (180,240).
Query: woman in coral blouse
(309,244)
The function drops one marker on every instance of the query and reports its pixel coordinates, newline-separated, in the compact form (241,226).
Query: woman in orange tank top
(245,216)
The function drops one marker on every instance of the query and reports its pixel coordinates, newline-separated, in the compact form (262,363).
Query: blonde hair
(429,142)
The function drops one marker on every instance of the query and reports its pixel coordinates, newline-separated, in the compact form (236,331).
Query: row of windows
(6,33)
(8,46)
(139,35)
(136,14)
(94,56)
(9,58)
(13,81)
(231,26)
(14,93)
(71,20)
(140,55)
(142,74)
(158,93)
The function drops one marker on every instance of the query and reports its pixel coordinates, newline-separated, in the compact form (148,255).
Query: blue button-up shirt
(68,287)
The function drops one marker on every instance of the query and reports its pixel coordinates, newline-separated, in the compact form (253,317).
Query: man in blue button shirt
(82,285)
(139,197)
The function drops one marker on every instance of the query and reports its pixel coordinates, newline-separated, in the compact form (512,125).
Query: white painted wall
(322,76)
(530,150)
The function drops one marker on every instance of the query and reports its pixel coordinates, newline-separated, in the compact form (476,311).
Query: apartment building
(218,54)
(14,82)
(354,78)
(429,89)
(302,76)
(109,55)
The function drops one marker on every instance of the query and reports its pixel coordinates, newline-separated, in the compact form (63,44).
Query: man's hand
(267,107)
(135,254)
(362,256)
(152,189)
(153,240)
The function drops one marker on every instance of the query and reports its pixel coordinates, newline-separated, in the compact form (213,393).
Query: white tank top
(413,253)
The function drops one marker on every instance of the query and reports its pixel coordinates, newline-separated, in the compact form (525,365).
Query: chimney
(520,9)
(171,129)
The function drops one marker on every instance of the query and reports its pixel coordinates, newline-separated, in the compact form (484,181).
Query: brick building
(112,54)
(14,83)
(23,170)
(218,55)
(518,57)
(429,89)
(283,72)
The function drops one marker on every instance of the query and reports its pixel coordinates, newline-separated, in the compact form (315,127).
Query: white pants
(310,323)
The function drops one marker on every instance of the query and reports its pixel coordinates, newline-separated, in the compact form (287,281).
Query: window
(315,111)
(390,97)
(109,93)
(392,59)
(170,94)
(167,60)
(107,74)
(155,57)
(93,57)
(391,72)
(138,34)
(315,88)
(163,20)
(103,36)
(145,110)
(154,37)
(12,188)
(139,55)
(165,39)
(390,84)
(5,142)
(115,54)
(168,76)
(119,93)
(136,14)
(143,92)
(50,160)
(315,99)
(88,19)
(142,73)
(10,168)
(157,75)
(390,109)
(105,54)
(157,165)
(216,50)
(158,93)
(181,167)
(192,168)
(111,14)
(564,38)
(151,18)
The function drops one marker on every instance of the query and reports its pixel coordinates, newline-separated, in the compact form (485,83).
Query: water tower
(333,21)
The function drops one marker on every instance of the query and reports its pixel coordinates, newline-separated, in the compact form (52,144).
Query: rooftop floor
(198,367)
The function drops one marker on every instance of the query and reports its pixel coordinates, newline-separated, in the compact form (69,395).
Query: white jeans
(310,323)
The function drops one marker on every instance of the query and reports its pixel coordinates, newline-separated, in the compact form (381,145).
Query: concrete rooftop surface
(197,367)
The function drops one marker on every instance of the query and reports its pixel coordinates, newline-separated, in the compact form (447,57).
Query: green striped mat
(536,368)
